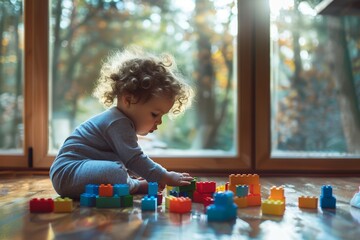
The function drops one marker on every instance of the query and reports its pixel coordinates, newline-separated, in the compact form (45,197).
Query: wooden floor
(130,223)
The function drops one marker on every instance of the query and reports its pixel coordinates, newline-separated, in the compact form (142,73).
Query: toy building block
(108,202)
(126,201)
(273,207)
(167,201)
(241,202)
(252,180)
(242,190)
(223,209)
(148,203)
(308,202)
(277,193)
(92,189)
(174,193)
(199,197)
(87,200)
(206,187)
(63,205)
(188,188)
(180,205)
(355,200)
(169,188)
(227,186)
(106,190)
(327,200)
(253,200)
(152,188)
(220,188)
(208,201)
(41,205)
(121,190)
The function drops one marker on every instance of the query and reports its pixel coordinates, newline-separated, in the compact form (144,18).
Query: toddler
(139,88)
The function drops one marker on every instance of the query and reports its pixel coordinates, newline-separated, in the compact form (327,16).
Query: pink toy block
(308,202)
(206,187)
(41,205)
(180,205)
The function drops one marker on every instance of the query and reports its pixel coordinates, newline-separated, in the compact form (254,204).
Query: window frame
(263,159)
(37,102)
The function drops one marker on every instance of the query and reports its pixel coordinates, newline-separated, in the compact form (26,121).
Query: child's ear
(126,100)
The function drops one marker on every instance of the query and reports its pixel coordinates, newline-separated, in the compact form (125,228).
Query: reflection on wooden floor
(130,223)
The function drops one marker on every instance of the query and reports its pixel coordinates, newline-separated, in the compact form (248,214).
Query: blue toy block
(183,194)
(92,189)
(220,213)
(87,200)
(327,200)
(242,190)
(224,208)
(224,198)
(121,189)
(148,203)
(174,193)
(326,191)
(153,188)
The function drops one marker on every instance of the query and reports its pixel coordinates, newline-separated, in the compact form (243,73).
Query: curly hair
(142,75)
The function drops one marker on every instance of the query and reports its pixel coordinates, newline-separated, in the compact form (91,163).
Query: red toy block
(180,205)
(208,201)
(199,197)
(206,187)
(254,200)
(106,190)
(227,186)
(41,205)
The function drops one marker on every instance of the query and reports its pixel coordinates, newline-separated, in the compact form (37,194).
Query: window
(314,90)
(11,83)
(200,34)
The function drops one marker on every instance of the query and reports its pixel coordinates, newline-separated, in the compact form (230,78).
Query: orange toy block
(244,179)
(106,190)
(180,205)
(273,207)
(253,200)
(63,205)
(308,202)
(277,193)
(241,202)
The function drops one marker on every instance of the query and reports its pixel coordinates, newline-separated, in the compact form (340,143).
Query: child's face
(148,116)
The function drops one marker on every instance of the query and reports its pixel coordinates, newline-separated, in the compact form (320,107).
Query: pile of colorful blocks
(106,196)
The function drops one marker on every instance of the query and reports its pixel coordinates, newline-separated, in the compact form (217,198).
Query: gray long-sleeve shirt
(109,136)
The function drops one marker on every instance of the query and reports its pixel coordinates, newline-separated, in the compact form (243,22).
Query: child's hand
(176,179)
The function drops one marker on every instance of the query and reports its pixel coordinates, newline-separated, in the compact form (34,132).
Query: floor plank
(131,223)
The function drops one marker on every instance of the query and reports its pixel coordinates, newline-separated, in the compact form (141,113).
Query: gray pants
(69,177)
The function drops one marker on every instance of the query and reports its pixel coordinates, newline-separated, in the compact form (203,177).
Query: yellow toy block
(167,201)
(63,205)
(220,188)
(241,202)
(273,207)
(308,202)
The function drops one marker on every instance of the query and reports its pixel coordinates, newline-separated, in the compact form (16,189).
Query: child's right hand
(176,179)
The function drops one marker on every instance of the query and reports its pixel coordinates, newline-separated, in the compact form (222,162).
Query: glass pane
(201,35)
(315,81)
(11,76)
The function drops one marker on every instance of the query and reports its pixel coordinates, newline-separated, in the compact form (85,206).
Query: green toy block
(188,188)
(127,201)
(108,202)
